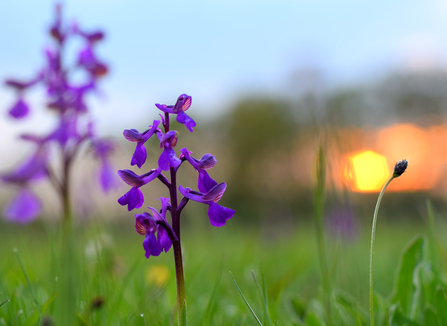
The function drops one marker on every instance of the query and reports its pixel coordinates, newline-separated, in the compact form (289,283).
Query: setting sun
(366,171)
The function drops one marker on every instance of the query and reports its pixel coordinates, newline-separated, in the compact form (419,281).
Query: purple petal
(165,108)
(24,207)
(207,161)
(32,169)
(133,199)
(139,156)
(215,193)
(66,129)
(152,175)
(151,245)
(205,182)
(164,206)
(167,159)
(163,238)
(193,195)
(132,135)
(183,103)
(145,223)
(131,178)
(186,120)
(107,176)
(19,110)
(219,215)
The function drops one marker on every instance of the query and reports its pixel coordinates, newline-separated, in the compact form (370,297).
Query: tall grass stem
(373,237)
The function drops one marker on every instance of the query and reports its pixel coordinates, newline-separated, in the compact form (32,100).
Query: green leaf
(246,302)
(183,315)
(312,319)
(47,303)
(32,319)
(211,307)
(403,289)
(347,304)
(396,318)
(441,305)
(431,317)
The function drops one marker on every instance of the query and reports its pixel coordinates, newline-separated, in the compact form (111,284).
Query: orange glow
(366,171)
(420,146)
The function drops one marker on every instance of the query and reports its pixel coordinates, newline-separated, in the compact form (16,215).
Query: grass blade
(246,302)
(1,304)
(212,301)
(263,296)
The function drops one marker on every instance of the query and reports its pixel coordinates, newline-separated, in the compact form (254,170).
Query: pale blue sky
(219,50)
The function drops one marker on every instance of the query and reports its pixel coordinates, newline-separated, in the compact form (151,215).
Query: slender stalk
(373,237)
(177,244)
(175,219)
(319,198)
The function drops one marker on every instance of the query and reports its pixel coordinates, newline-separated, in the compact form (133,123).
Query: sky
(217,51)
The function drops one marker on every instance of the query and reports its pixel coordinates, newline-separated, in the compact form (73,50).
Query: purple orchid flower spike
(134,197)
(217,214)
(162,234)
(183,103)
(140,155)
(145,225)
(207,161)
(168,158)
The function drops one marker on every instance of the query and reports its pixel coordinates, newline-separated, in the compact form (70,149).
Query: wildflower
(134,197)
(217,214)
(146,225)
(168,158)
(163,236)
(140,155)
(207,161)
(158,275)
(400,168)
(183,103)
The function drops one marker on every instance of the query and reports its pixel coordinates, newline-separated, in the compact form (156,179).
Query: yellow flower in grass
(158,275)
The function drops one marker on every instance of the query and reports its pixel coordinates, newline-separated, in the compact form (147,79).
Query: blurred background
(270,81)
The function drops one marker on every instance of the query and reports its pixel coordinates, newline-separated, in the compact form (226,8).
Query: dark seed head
(97,302)
(400,168)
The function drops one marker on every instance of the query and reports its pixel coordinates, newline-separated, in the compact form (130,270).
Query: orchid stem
(175,219)
(373,237)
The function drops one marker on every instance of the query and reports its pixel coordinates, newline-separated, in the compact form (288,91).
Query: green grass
(108,264)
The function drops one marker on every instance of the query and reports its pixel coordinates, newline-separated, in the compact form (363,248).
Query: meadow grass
(115,284)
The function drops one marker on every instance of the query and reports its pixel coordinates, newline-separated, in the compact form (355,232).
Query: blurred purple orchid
(67,99)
